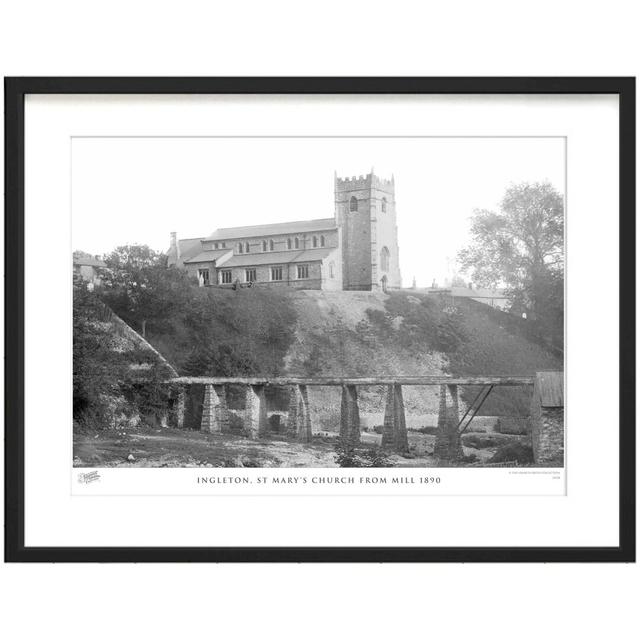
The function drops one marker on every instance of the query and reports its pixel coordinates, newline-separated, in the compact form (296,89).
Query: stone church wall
(289,279)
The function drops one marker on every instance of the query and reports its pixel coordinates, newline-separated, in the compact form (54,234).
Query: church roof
(277,257)
(302,226)
(208,256)
(189,247)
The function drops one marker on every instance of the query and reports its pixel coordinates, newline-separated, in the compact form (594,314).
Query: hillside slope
(407,333)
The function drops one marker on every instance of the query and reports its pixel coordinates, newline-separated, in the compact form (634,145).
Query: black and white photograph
(320,320)
(318,302)
(370,320)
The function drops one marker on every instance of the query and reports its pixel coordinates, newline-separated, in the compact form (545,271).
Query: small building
(356,249)
(87,267)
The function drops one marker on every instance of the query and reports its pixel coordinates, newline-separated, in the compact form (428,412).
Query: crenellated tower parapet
(365,213)
(368,181)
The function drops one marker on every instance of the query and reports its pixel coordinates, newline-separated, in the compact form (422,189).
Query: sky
(138,190)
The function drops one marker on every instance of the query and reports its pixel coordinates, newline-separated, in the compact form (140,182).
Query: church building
(355,250)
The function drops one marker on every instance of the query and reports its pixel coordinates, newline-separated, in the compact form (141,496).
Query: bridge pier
(177,412)
(547,418)
(448,444)
(350,414)
(255,423)
(180,408)
(394,434)
(215,416)
(299,417)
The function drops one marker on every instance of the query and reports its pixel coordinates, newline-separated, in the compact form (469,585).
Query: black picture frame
(15,91)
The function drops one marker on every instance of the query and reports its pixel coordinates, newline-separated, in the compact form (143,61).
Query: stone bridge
(547,411)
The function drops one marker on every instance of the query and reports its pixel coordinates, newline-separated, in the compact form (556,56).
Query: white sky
(138,190)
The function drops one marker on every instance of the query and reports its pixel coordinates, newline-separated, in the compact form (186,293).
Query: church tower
(366,217)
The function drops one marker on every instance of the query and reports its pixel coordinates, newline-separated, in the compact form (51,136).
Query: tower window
(353,204)
(322,241)
(315,241)
(296,243)
(288,243)
(271,245)
(384,205)
(331,272)
(384,259)
(264,245)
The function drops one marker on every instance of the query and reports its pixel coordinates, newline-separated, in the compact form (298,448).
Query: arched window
(331,273)
(296,243)
(239,247)
(271,245)
(322,241)
(353,204)
(315,241)
(264,245)
(384,259)
(246,248)
(384,205)
(288,243)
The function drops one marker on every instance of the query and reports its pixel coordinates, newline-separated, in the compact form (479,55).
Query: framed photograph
(320,319)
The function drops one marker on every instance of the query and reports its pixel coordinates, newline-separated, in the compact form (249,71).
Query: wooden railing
(507,381)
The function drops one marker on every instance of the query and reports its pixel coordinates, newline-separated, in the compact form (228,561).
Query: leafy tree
(102,377)
(96,371)
(140,287)
(521,248)
(200,330)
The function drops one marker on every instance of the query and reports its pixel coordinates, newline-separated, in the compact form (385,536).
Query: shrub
(486,440)
(375,457)
(312,366)
(348,455)
(428,323)
(514,452)
(105,392)
(432,431)
(250,463)
(380,320)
